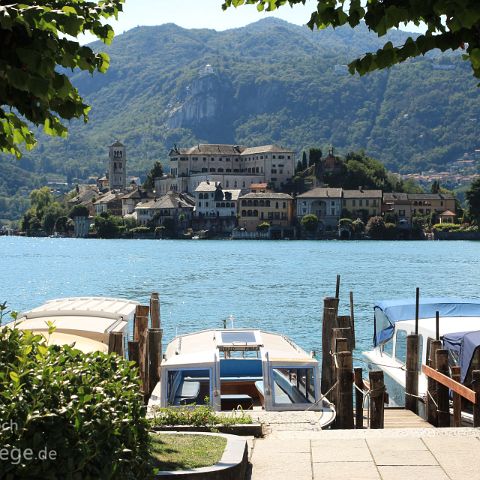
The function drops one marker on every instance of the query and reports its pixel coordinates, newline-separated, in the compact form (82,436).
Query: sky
(201,14)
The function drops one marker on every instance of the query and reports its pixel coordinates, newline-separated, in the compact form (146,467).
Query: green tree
(78,211)
(473,199)
(156,171)
(375,228)
(314,156)
(38,41)
(40,199)
(450,25)
(310,223)
(435,187)
(304,161)
(106,225)
(299,166)
(51,215)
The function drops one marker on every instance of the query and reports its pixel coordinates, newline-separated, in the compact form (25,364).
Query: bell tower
(117,166)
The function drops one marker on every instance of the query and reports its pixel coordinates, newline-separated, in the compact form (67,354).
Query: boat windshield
(293,385)
(188,387)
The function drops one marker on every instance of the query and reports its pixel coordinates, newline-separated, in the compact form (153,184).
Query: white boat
(395,319)
(252,369)
(85,322)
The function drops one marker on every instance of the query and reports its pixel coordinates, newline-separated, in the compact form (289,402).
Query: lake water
(272,285)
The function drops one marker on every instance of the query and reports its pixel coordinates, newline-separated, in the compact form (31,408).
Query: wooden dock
(401,418)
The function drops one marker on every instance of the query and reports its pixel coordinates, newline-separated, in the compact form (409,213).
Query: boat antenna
(231,318)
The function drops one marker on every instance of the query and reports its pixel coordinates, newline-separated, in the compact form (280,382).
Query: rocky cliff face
(207,101)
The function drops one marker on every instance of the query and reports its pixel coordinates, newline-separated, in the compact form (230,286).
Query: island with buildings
(239,192)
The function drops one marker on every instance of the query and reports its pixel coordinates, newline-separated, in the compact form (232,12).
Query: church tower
(117,166)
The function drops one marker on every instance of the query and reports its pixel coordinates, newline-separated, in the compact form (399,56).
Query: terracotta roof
(206,187)
(322,193)
(138,193)
(208,149)
(258,185)
(269,195)
(223,149)
(447,213)
(362,193)
(430,196)
(265,149)
(107,198)
(170,200)
(394,196)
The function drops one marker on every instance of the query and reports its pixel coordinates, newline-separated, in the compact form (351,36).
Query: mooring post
(141,336)
(115,343)
(411,374)
(443,409)
(432,398)
(345,393)
(133,352)
(377,399)
(343,323)
(155,310)
(358,374)
(155,357)
(417,309)
(337,287)
(457,399)
(476,405)
(352,321)
(330,310)
(437,325)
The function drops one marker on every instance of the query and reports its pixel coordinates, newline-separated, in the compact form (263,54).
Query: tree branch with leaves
(38,41)
(449,25)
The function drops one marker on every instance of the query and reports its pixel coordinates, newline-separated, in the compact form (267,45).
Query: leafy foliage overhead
(449,25)
(36,39)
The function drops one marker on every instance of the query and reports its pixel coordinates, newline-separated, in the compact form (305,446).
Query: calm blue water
(276,286)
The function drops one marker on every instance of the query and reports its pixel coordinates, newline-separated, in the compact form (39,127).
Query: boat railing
(442,381)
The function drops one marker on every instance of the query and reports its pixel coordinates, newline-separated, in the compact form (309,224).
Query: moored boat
(458,329)
(85,322)
(228,368)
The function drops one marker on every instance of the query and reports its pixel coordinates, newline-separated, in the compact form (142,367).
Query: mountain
(269,82)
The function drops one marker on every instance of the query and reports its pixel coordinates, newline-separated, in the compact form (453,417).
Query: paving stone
(400,457)
(412,472)
(396,444)
(273,445)
(453,444)
(345,471)
(341,451)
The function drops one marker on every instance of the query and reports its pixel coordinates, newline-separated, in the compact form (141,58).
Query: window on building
(333,211)
(360,203)
(401,213)
(274,170)
(255,203)
(284,204)
(244,213)
(270,215)
(367,202)
(276,205)
(206,204)
(284,216)
(267,203)
(212,170)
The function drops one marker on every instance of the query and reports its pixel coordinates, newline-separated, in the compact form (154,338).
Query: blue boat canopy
(388,312)
(462,346)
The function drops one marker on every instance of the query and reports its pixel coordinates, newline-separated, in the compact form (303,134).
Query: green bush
(199,416)
(263,227)
(375,228)
(310,223)
(447,227)
(140,229)
(84,411)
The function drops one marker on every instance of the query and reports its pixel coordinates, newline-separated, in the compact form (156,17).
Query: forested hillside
(270,82)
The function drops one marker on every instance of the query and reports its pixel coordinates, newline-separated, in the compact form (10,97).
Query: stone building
(234,166)
(325,203)
(117,166)
(362,203)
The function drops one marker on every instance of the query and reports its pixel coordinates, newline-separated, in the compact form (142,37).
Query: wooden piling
(437,325)
(115,343)
(141,336)
(344,323)
(443,411)
(330,310)
(417,309)
(358,375)
(377,399)
(344,405)
(352,321)
(432,397)
(457,399)
(155,310)
(411,375)
(337,287)
(476,405)
(133,352)
(141,311)
(155,357)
